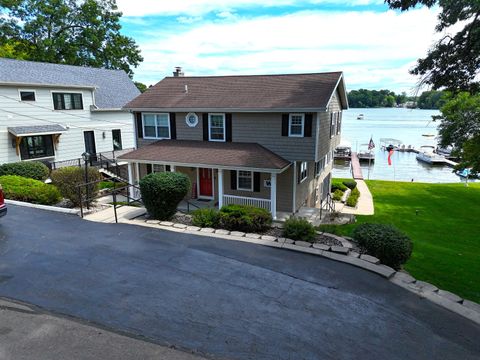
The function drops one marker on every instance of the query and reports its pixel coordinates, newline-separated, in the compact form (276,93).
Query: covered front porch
(220,173)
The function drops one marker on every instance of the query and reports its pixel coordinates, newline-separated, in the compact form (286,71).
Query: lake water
(406,125)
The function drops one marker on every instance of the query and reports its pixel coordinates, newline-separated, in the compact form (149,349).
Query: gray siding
(262,128)
(266,130)
(325,142)
(305,191)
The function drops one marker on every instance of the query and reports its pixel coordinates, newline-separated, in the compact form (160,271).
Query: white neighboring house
(52,112)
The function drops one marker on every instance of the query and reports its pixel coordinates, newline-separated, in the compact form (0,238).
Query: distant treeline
(364,98)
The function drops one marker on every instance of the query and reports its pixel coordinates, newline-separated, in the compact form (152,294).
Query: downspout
(294,203)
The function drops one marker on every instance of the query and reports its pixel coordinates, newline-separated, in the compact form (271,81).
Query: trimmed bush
(107,184)
(351,184)
(385,242)
(29,190)
(161,193)
(299,229)
(338,185)
(337,195)
(244,218)
(68,178)
(353,198)
(28,169)
(206,218)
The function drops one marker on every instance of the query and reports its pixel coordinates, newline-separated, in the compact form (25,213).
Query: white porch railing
(243,200)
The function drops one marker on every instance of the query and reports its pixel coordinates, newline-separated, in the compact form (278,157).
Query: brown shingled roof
(209,154)
(262,92)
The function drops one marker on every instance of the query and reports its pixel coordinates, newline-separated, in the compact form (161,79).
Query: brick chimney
(178,71)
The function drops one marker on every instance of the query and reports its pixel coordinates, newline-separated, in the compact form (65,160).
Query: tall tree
(454,61)
(460,126)
(85,32)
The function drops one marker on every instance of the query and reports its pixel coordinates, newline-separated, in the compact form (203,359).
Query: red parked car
(3,206)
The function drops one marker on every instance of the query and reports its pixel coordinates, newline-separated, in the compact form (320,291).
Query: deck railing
(243,200)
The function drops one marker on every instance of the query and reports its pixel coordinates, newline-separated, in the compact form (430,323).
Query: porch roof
(223,155)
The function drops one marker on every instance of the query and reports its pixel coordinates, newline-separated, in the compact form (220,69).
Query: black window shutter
(205,126)
(139,125)
(228,125)
(284,124)
(149,168)
(256,181)
(233,179)
(299,172)
(173,126)
(308,125)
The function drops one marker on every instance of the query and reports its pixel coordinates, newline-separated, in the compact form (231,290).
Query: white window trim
(238,181)
(301,171)
(27,90)
(332,125)
(224,128)
(290,125)
(156,127)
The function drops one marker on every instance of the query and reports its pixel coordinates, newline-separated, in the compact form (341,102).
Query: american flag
(371,144)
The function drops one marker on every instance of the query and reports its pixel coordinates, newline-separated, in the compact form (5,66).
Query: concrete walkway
(124,213)
(365,202)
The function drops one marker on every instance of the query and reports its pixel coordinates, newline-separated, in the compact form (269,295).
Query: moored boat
(365,154)
(426,154)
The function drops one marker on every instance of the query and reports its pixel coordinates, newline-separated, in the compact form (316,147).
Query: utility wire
(59,111)
(58,122)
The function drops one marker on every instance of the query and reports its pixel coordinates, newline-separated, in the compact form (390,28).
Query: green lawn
(445,233)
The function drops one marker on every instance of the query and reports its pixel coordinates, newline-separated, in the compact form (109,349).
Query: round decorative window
(191,119)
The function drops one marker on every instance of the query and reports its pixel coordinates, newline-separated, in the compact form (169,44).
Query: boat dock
(450,162)
(356,169)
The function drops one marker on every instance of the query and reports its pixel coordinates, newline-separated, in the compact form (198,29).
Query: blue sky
(373,45)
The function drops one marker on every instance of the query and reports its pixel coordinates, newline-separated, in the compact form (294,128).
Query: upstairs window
(67,101)
(245,180)
(339,122)
(27,95)
(296,124)
(156,126)
(216,127)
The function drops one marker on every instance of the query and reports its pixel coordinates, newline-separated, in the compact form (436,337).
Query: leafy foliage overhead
(454,61)
(85,33)
(460,127)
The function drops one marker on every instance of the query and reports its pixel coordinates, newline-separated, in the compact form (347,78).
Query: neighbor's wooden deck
(356,169)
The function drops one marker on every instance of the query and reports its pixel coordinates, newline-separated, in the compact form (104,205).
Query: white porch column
(220,188)
(273,195)
(130,180)
(137,174)
(172,168)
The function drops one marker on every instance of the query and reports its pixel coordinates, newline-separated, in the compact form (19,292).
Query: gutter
(226,110)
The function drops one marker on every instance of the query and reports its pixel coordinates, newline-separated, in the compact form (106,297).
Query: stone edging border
(43,207)
(443,298)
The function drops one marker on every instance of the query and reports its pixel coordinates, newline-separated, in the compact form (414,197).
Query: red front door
(206,182)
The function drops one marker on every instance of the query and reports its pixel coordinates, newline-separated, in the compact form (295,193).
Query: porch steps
(112,175)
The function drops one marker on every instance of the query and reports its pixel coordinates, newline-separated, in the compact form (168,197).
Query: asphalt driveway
(220,298)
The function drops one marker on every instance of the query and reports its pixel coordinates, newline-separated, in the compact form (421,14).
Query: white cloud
(373,49)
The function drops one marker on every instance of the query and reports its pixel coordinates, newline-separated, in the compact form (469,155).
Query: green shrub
(386,242)
(351,184)
(337,185)
(111,184)
(161,193)
(207,217)
(29,190)
(299,229)
(68,178)
(29,169)
(337,195)
(353,198)
(244,218)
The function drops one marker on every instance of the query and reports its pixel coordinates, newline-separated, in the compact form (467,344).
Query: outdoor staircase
(112,175)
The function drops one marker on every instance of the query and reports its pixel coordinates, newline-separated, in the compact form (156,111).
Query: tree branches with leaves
(453,62)
(85,32)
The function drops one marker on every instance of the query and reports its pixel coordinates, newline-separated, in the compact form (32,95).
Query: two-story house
(52,112)
(263,140)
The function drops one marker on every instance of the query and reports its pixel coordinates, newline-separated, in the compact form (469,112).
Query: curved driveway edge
(446,299)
